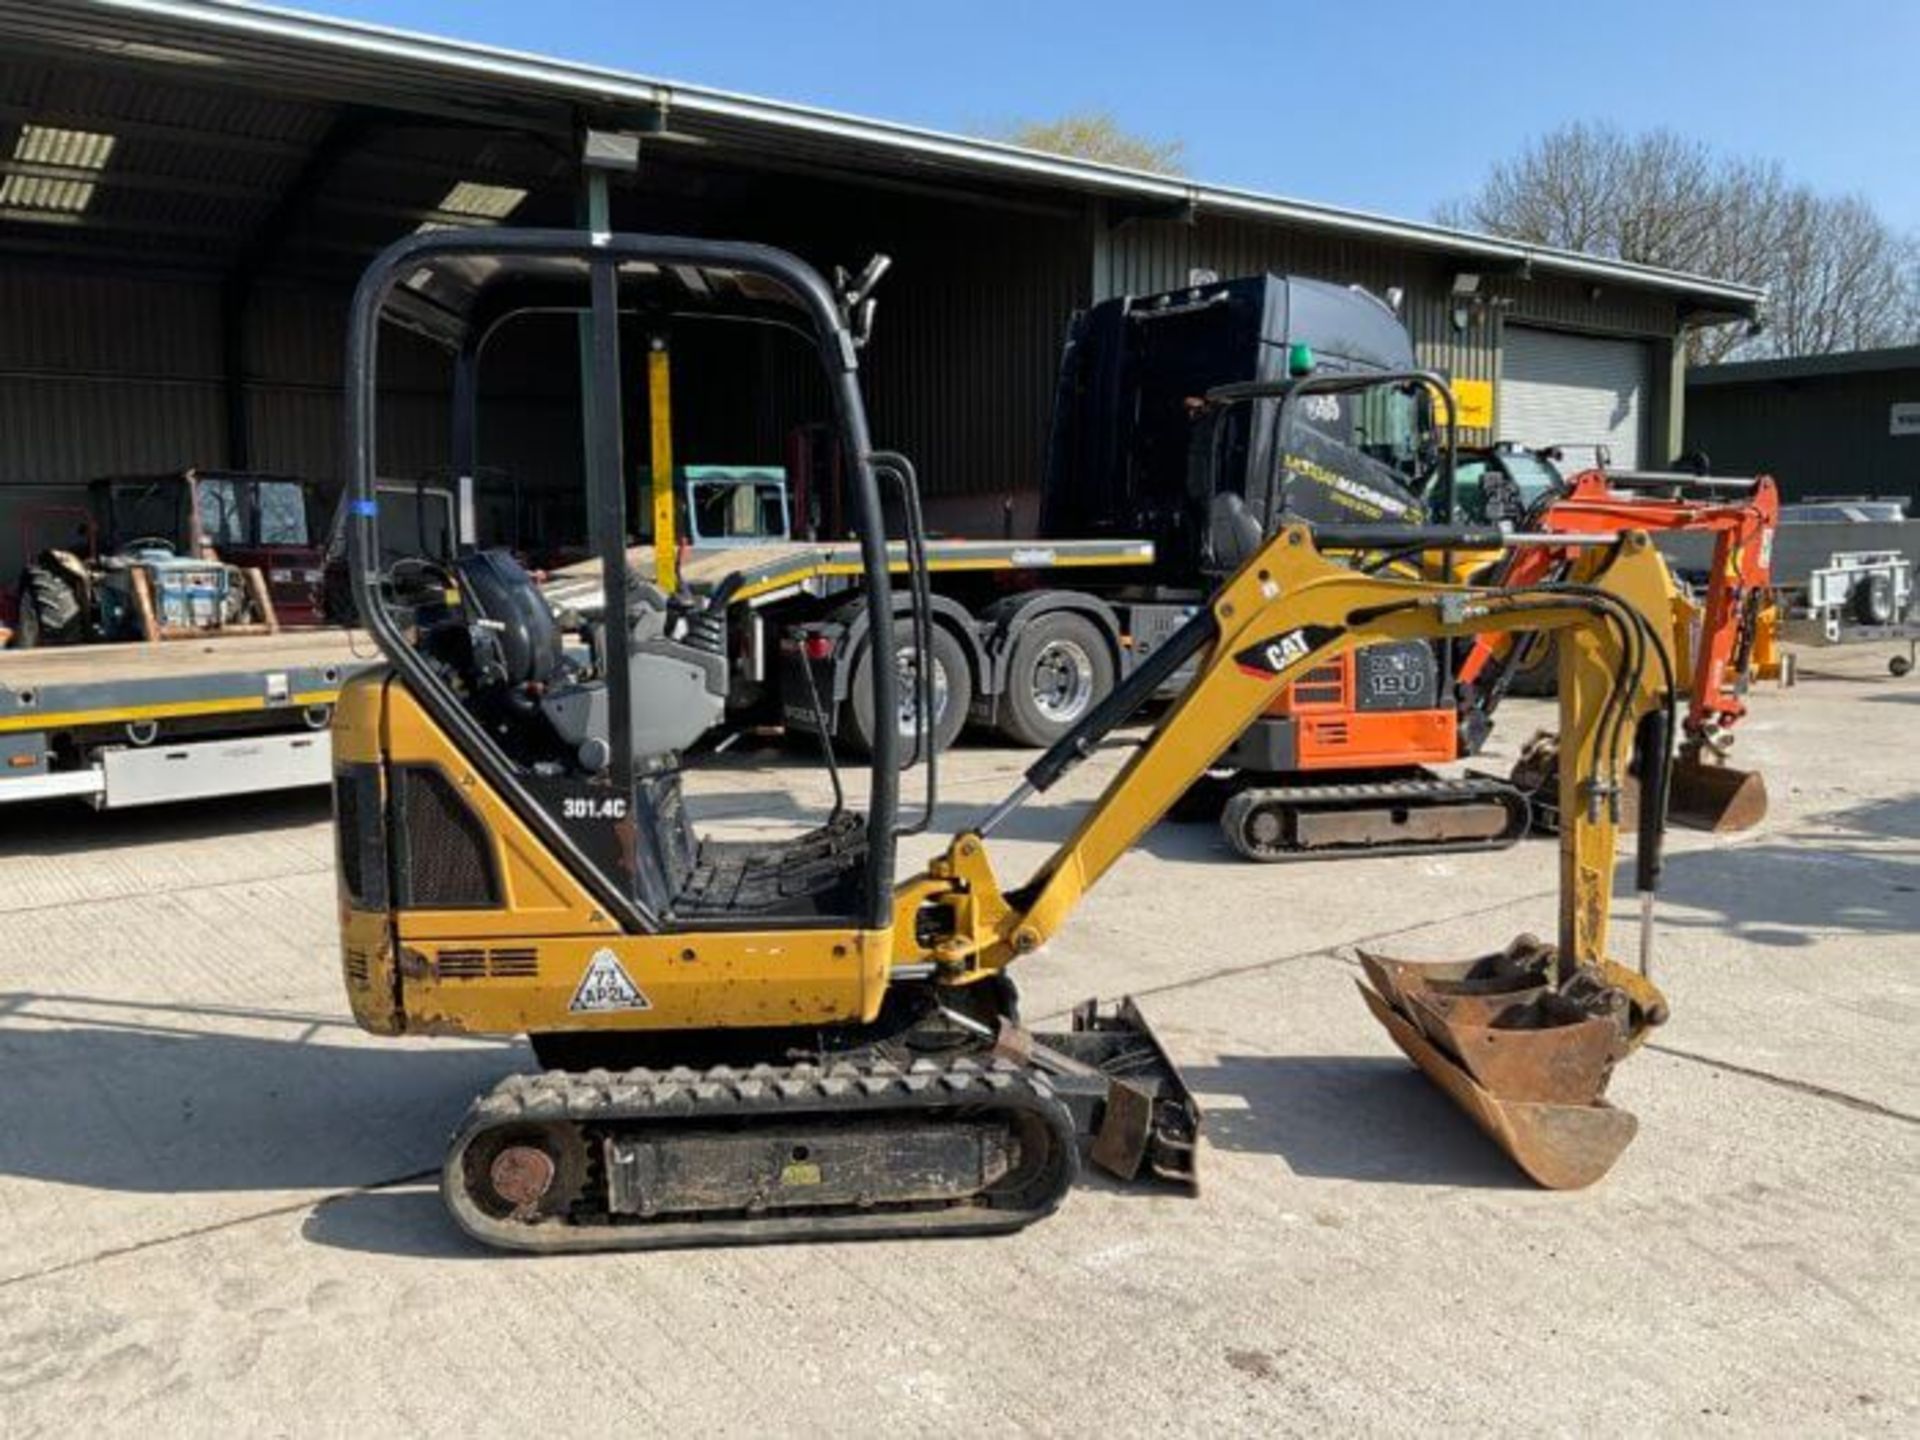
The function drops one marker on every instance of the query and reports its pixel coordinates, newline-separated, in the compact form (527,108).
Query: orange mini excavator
(1718,636)
(1342,761)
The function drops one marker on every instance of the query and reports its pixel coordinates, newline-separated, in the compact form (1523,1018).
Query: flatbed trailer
(144,723)
(1030,634)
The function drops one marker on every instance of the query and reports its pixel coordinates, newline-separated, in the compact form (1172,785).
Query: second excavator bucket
(1526,1052)
(1708,794)
(1702,793)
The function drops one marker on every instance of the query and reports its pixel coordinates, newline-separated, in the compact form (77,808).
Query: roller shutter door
(1574,390)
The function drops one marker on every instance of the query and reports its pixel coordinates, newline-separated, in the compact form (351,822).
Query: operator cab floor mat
(816,874)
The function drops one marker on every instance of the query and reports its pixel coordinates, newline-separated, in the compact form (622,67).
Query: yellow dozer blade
(1527,1056)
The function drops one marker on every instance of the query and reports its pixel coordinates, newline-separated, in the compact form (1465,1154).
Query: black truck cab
(1136,451)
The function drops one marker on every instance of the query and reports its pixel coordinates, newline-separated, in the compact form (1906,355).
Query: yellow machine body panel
(546,957)
(530,963)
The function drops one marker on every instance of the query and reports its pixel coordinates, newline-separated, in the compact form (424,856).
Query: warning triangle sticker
(606,986)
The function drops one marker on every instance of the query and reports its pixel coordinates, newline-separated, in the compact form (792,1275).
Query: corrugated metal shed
(191,312)
(1845,424)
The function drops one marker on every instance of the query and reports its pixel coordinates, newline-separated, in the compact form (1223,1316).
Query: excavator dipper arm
(1287,610)
(1524,1039)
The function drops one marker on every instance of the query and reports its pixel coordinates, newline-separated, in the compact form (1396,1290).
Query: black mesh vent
(445,860)
(359,836)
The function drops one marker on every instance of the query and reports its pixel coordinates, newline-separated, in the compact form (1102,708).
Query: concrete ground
(218,1212)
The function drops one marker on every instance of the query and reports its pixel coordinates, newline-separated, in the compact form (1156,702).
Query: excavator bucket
(1528,1058)
(1702,793)
(1708,794)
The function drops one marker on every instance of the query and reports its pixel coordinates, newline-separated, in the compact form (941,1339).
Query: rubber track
(687,1098)
(1435,793)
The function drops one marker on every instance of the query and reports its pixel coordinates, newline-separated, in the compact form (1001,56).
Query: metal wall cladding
(1820,435)
(960,373)
(1147,256)
(107,322)
(110,370)
(104,372)
(60,431)
(297,335)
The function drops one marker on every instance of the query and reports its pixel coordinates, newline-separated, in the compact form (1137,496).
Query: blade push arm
(1287,610)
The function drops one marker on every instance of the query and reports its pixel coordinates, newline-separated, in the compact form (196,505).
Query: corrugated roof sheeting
(341,60)
(64,86)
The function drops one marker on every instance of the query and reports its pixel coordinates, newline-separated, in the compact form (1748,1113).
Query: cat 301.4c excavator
(755,1039)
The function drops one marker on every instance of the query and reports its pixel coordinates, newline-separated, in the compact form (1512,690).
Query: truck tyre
(1061,668)
(26,627)
(952,692)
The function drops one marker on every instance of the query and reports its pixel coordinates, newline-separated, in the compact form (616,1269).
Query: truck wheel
(952,692)
(1061,668)
(26,628)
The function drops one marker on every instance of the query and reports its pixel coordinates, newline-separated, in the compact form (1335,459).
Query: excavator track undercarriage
(1430,814)
(867,1144)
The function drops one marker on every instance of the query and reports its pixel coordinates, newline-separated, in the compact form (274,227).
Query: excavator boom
(1525,1040)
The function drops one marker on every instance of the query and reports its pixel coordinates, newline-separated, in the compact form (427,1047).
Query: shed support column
(235,294)
(1669,419)
(1099,252)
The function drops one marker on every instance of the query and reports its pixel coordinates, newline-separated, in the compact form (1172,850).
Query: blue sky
(1276,96)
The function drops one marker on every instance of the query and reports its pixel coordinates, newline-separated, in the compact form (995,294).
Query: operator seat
(522,649)
(677,672)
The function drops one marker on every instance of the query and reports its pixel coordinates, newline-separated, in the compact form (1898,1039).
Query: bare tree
(1838,276)
(1096,135)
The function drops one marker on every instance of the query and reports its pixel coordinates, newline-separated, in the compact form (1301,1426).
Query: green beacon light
(1299,359)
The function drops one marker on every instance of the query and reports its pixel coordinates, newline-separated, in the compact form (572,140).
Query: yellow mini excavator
(773,1039)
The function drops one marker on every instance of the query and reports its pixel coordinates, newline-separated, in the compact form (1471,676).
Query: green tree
(1096,135)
